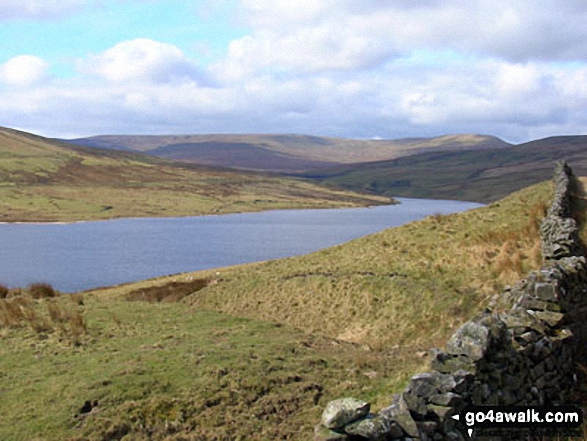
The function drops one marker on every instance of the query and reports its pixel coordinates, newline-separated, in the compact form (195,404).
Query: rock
(322,433)
(545,291)
(424,384)
(413,403)
(374,427)
(401,415)
(447,399)
(340,412)
(471,340)
(551,318)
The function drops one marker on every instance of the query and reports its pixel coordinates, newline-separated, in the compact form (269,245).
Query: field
(254,352)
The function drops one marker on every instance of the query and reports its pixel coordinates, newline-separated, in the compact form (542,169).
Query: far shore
(392,201)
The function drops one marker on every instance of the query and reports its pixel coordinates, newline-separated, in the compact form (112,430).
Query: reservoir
(79,256)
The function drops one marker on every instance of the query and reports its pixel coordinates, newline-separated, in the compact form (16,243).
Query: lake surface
(79,256)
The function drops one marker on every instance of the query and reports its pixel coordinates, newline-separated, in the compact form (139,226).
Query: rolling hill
(466,167)
(285,153)
(482,175)
(48,180)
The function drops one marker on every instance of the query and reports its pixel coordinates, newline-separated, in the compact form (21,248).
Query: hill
(475,175)
(48,180)
(284,152)
(255,351)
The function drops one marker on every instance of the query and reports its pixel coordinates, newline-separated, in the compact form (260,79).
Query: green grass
(160,369)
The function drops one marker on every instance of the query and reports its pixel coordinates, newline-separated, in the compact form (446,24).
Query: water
(79,256)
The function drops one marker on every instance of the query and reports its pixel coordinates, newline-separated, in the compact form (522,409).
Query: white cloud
(312,35)
(142,60)
(38,9)
(23,71)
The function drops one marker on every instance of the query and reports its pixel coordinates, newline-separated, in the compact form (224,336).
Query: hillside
(47,180)
(285,152)
(474,175)
(143,359)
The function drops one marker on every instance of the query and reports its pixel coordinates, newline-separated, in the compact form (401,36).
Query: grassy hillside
(474,175)
(407,286)
(285,152)
(44,180)
(254,352)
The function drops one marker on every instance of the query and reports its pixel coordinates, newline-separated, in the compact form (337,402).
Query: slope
(45,180)
(407,286)
(285,152)
(475,175)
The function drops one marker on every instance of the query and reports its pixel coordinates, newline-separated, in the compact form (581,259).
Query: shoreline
(393,201)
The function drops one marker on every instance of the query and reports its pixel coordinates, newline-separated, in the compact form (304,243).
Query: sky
(342,68)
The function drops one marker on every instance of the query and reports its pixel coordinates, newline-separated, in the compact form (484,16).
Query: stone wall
(523,354)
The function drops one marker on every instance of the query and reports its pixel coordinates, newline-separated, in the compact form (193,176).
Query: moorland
(251,352)
(43,180)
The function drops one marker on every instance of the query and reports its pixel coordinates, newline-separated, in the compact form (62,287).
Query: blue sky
(202,32)
(388,69)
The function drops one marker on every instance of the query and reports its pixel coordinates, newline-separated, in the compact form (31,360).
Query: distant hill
(48,180)
(482,175)
(283,153)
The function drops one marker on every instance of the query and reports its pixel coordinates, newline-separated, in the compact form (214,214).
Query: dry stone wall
(523,355)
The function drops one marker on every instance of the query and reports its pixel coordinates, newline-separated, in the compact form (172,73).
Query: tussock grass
(42,290)
(158,371)
(41,312)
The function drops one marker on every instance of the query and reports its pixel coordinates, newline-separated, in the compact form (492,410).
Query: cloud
(142,60)
(38,9)
(345,34)
(23,71)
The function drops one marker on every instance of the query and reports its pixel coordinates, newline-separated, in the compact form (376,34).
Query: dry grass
(42,291)
(409,286)
(44,315)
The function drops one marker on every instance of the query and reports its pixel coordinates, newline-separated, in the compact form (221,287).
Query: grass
(408,286)
(254,352)
(43,180)
(159,370)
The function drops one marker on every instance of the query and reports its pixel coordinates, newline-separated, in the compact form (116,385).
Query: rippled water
(78,256)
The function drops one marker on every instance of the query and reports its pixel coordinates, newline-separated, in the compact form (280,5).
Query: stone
(341,412)
(440,411)
(424,384)
(545,291)
(374,427)
(413,403)
(401,415)
(446,399)
(474,338)
(551,318)
(322,433)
